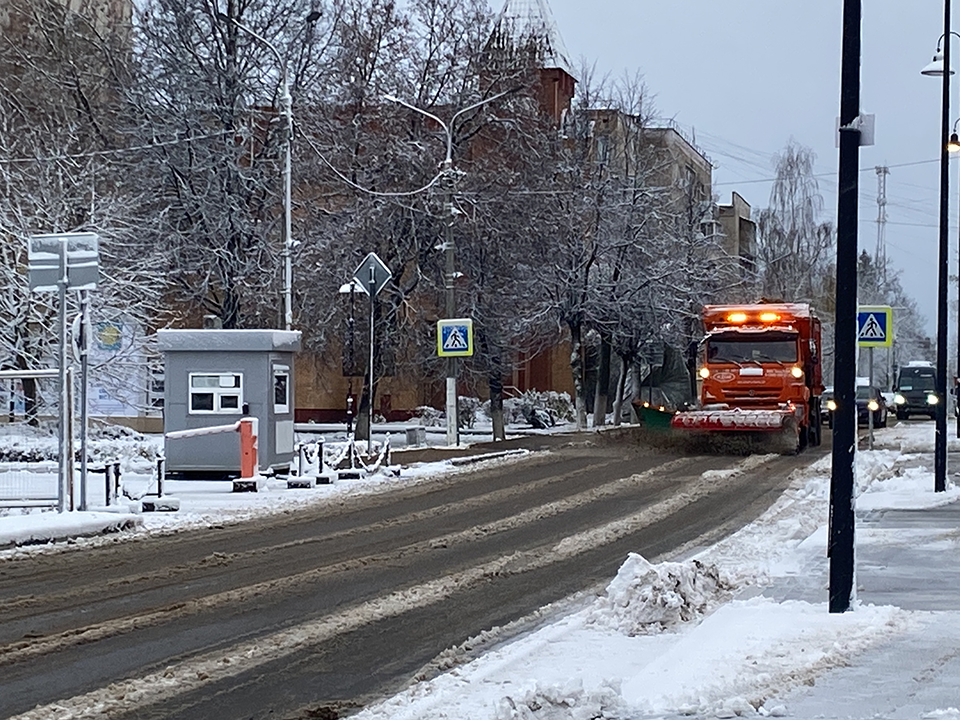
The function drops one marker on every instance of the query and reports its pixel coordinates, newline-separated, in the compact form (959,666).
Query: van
(915,392)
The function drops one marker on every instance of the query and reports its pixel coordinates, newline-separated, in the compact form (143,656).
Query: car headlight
(873,405)
(899,399)
(932,399)
(796,372)
(831,405)
(704,372)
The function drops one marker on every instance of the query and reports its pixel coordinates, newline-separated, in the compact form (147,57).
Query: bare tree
(793,241)
(64,166)
(213,77)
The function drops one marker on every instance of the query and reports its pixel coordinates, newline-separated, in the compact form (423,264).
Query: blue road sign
(875,326)
(455,337)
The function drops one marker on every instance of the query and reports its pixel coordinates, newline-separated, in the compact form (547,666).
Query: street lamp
(953,145)
(940,67)
(450,305)
(286,113)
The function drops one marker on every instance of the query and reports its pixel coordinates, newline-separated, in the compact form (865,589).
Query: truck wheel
(792,437)
(902,415)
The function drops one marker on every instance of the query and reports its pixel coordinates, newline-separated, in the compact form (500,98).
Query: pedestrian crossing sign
(875,326)
(455,338)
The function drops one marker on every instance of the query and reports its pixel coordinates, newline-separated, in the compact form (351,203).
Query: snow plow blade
(736,431)
(732,420)
(726,431)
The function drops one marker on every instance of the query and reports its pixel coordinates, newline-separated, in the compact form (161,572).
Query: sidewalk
(909,559)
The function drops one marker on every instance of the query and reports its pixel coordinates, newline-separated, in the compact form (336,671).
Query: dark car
(827,406)
(870,400)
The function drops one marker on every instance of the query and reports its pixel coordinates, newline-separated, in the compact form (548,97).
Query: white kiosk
(215,377)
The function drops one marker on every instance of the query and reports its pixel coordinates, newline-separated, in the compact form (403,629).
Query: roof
(228,340)
(525,20)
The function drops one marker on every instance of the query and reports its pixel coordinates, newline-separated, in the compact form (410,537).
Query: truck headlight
(873,405)
(932,399)
(796,372)
(704,372)
(831,405)
(899,399)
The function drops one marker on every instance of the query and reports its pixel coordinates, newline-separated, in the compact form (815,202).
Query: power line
(823,175)
(115,151)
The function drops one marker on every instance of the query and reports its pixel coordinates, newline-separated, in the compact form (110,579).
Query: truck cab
(763,358)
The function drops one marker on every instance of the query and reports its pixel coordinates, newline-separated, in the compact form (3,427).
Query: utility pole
(450,306)
(880,256)
(450,274)
(841,540)
(286,118)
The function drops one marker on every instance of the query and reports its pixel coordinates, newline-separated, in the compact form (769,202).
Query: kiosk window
(219,393)
(281,389)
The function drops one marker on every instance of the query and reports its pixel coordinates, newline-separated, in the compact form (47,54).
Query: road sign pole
(64,415)
(373,297)
(869,395)
(376,275)
(84,343)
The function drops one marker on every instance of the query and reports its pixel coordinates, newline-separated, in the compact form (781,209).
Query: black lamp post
(841,540)
(953,145)
(941,67)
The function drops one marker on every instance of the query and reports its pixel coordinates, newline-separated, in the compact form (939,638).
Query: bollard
(248,448)
(161,469)
(108,483)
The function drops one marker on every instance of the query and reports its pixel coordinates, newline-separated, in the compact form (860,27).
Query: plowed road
(314,613)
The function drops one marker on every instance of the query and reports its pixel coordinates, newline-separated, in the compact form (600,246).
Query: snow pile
(562,701)
(27,527)
(644,598)
(749,463)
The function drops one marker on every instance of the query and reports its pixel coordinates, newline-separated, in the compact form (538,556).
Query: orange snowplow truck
(759,373)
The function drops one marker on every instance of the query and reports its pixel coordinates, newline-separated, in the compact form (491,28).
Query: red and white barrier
(248,428)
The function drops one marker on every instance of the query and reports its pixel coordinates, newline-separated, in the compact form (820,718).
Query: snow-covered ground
(737,629)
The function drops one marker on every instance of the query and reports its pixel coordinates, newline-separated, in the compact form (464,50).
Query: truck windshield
(737,350)
(917,379)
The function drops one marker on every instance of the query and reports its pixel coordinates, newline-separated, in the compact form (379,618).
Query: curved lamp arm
(942,36)
(447,129)
(285,88)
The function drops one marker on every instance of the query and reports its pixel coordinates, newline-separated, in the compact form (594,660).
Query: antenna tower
(880,256)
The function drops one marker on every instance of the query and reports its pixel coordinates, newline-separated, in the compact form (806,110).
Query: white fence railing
(29,448)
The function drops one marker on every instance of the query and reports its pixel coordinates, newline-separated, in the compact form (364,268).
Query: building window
(155,393)
(216,393)
(281,389)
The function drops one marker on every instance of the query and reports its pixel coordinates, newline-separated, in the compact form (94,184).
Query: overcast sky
(748,75)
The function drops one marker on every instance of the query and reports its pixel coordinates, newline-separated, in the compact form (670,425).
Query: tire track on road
(219,665)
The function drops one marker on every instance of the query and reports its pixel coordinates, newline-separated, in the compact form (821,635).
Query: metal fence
(29,446)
